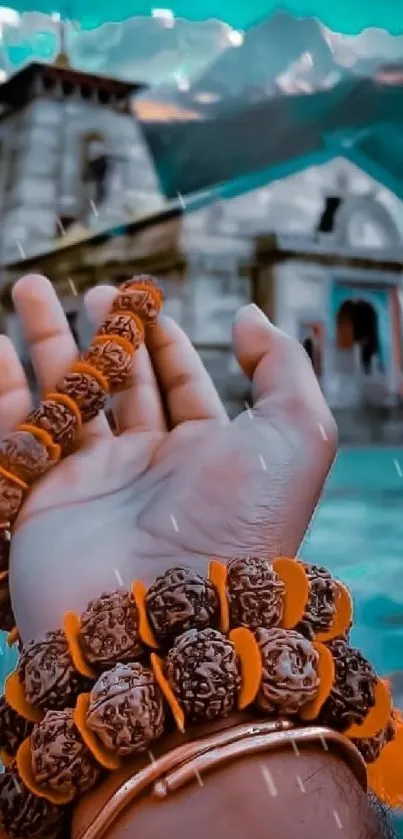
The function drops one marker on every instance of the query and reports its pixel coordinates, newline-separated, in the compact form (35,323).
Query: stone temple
(321,252)
(71,153)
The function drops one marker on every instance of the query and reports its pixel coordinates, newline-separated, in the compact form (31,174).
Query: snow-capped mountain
(284,55)
(206,77)
(283,51)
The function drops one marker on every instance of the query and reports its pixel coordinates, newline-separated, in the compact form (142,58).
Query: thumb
(280,370)
(254,335)
(270,358)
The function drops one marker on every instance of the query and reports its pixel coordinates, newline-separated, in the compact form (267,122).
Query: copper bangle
(260,741)
(176,768)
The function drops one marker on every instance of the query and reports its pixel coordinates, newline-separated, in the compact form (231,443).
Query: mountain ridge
(164,50)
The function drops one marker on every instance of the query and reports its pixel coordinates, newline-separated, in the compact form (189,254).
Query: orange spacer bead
(14,694)
(71,626)
(122,342)
(14,479)
(102,755)
(85,367)
(45,438)
(69,402)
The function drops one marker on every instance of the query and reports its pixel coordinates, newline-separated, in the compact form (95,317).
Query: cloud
(140,49)
(155,50)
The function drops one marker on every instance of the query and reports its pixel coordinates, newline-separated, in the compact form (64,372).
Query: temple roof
(17,90)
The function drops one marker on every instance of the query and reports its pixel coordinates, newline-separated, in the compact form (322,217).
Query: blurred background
(234,166)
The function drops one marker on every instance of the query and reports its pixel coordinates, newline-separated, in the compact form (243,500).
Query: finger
(15,397)
(50,343)
(139,408)
(186,386)
(280,370)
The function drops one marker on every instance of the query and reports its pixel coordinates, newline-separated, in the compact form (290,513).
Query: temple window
(95,169)
(327,219)
(103,173)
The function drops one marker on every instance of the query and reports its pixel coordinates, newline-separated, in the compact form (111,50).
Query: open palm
(179,483)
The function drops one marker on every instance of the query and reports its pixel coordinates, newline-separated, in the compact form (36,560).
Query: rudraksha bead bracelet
(52,428)
(124,625)
(107,685)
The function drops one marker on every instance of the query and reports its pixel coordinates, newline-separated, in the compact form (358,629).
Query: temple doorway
(357,335)
(362,363)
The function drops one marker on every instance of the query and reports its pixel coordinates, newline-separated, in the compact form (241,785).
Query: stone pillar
(263,281)
(70,201)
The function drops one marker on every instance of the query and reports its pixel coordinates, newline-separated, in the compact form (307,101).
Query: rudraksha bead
(60,759)
(255,593)
(109,630)
(180,600)
(112,360)
(126,709)
(58,419)
(126,325)
(142,296)
(202,669)
(372,746)
(24,456)
(47,672)
(86,391)
(24,815)
(353,691)
(13,728)
(11,498)
(321,604)
(290,671)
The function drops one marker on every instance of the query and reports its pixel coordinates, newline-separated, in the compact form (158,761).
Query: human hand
(180,483)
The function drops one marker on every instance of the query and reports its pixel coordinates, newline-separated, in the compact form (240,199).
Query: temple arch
(362,221)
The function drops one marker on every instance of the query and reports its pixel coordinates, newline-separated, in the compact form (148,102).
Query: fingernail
(253,311)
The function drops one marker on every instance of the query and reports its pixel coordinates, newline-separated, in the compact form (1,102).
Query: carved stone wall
(293,205)
(41,172)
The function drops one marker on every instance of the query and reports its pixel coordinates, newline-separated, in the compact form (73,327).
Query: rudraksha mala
(52,428)
(187,650)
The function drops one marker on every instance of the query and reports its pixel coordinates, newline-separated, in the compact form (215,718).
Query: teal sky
(345,16)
